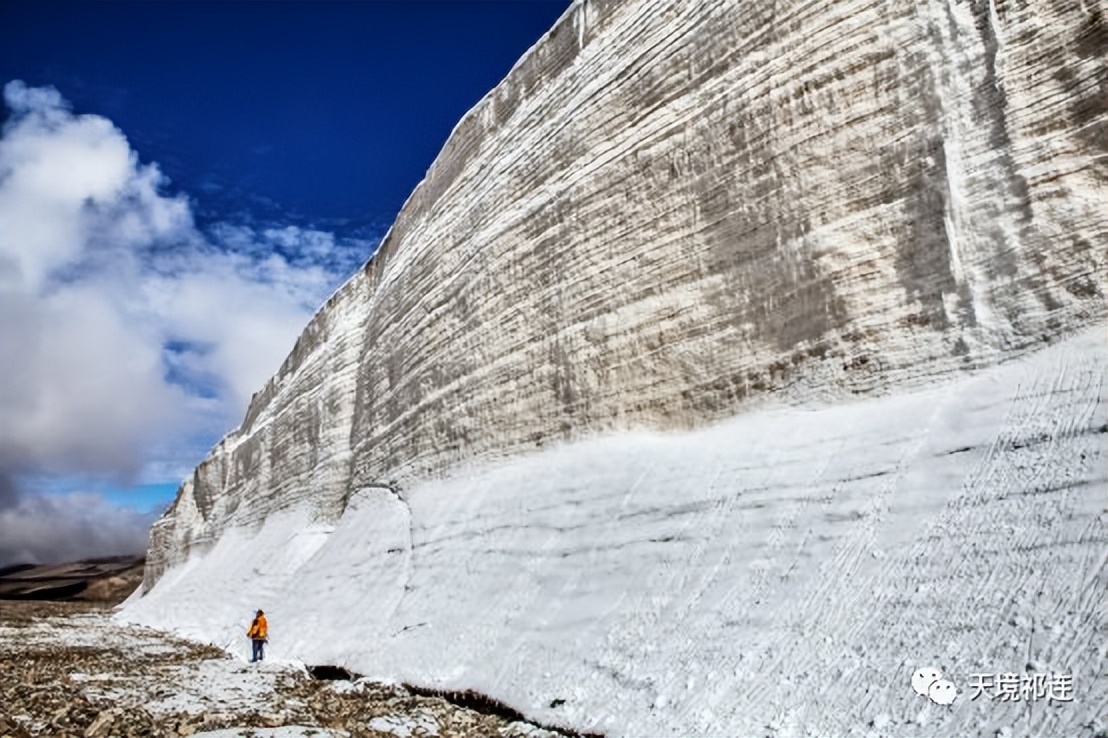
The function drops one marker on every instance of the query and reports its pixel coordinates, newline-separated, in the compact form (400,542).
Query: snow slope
(781,573)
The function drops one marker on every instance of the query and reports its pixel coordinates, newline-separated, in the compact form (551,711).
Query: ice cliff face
(666,209)
(669,210)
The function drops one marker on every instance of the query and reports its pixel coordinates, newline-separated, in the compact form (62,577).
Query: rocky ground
(67,669)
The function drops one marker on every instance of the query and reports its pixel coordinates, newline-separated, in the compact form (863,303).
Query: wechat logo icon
(929,682)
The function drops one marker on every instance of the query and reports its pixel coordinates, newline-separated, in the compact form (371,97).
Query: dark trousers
(259,649)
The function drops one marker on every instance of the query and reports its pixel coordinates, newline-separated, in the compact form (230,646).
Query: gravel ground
(66,669)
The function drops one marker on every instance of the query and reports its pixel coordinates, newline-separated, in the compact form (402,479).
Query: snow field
(784,572)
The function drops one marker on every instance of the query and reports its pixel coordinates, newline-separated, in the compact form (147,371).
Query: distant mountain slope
(109,579)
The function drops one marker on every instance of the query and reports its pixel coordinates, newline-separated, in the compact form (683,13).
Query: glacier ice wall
(668,209)
(668,212)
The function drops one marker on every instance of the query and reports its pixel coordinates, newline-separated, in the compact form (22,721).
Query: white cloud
(245,314)
(86,387)
(52,529)
(71,184)
(128,335)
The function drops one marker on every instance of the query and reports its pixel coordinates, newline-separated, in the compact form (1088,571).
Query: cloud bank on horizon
(131,339)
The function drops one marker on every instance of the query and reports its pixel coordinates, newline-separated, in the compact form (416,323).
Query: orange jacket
(258,628)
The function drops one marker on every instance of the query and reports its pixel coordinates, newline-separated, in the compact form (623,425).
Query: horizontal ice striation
(710,202)
(666,214)
(667,209)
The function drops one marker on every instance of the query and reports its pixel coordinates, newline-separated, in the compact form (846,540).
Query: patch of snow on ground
(222,685)
(406,726)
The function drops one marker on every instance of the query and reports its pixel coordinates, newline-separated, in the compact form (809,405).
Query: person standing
(259,630)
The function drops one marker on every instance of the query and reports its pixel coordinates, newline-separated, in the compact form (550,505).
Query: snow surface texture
(669,209)
(784,572)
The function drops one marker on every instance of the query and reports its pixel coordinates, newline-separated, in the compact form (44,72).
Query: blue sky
(181,185)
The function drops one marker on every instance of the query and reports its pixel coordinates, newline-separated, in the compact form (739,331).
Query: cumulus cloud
(71,186)
(81,362)
(131,340)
